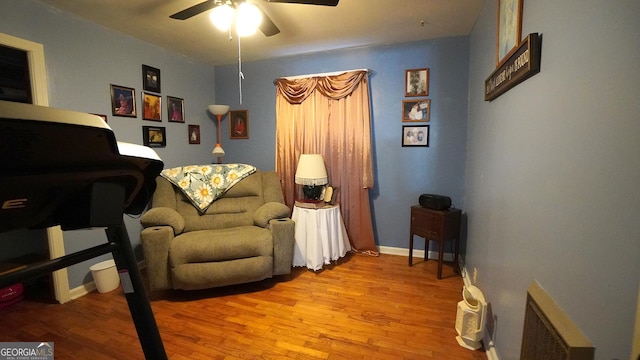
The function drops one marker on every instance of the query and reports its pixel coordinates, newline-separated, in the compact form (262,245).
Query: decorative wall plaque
(518,67)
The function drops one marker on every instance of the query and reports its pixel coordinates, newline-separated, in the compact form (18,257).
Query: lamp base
(309,201)
(307,204)
(312,192)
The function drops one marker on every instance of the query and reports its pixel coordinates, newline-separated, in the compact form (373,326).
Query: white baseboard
(388,250)
(490,350)
(82,290)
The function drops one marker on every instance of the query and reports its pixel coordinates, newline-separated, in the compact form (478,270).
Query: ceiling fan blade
(267,26)
(194,10)
(308,2)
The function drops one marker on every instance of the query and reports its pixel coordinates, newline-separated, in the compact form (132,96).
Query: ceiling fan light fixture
(221,17)
(248,18)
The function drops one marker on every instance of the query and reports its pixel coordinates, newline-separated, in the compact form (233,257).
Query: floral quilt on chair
(203,184)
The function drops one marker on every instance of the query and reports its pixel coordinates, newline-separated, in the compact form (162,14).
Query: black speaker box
(435,202)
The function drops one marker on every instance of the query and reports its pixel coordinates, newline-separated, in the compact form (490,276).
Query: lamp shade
(218,151)
(218,109)
(311,170)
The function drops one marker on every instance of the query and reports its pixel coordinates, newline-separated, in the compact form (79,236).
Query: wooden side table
(437,225)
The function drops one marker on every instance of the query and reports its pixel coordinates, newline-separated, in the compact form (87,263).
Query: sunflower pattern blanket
(203,184)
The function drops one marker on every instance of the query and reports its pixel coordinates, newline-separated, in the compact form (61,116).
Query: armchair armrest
(155,247)
(282,231)
(270,211)
(163,216)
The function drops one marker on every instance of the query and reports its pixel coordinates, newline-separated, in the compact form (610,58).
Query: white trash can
(105,276)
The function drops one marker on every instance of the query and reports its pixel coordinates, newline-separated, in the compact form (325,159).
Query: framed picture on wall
(123,101)
(175,109)
(416,110)
(239,124)
(416,82)
(194,134)
(415,135)
(152,107)
(154,136)
(150,78)
(509,28)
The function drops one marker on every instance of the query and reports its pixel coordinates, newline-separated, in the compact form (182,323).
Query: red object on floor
(11,295)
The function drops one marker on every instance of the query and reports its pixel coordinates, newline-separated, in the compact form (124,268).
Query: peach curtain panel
(330,115)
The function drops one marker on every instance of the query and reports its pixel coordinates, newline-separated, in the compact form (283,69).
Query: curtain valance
(335,87)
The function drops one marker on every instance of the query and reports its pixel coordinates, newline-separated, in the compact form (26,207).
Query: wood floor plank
(360,308)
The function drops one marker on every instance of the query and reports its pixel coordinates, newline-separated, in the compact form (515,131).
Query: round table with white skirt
(320,235)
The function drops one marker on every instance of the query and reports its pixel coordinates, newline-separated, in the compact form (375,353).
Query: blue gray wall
(82,60)
(552,172)
(401,173)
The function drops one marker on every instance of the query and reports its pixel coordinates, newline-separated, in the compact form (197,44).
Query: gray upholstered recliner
(246,235)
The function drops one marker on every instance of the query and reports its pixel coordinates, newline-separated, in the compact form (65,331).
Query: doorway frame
(40,96)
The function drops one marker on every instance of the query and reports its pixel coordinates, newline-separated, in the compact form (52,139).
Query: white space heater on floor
(470,318)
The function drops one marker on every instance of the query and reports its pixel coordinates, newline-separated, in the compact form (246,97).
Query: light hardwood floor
(362,308)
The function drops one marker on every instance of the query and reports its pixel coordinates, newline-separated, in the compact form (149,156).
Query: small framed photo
(416,82)
(415,135)
(102,116)
(194,134)
(123,101)
(150,78)
(509,28)
(175,109)
(154,136)
(416,110)
(239,124)
(152,107)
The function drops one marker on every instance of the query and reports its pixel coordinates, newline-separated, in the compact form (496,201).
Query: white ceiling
(304,28)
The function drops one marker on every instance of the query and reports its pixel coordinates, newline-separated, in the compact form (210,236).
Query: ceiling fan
(267,26)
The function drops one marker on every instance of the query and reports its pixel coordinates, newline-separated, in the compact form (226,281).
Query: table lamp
(312,175)
(218,111)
